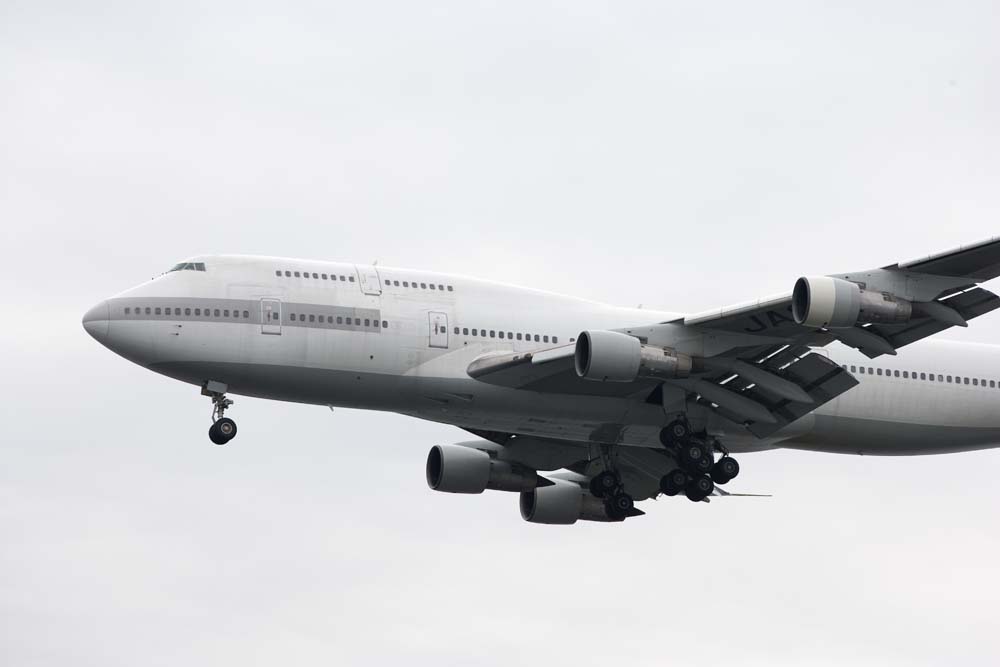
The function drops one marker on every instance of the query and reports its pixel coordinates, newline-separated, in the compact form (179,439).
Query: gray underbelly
(849,435)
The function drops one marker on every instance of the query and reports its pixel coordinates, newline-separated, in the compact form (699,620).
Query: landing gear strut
(697,471)
(223,428)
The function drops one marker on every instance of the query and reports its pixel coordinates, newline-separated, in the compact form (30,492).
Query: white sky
(681,157)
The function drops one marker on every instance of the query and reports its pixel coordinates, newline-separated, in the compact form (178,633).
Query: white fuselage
(400,340)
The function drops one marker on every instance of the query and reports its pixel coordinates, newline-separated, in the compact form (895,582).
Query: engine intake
(823,302)
(459,469)
(610,356)
(561,503)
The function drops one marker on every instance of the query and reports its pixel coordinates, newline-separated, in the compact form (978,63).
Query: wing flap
(814,373)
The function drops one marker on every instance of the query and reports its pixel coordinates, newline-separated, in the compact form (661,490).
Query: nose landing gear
(223,428)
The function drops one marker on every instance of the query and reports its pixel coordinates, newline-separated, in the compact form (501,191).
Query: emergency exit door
(438,323)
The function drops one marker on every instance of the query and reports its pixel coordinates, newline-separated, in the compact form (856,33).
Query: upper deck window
(188,266)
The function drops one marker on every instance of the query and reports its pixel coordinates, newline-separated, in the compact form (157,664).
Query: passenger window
(342,279)
(128,311)
(323,276)
(292,317)
(992,384)
(277,273)
(975,382)
(315,275)
(385,324)
(923,376)
(948,378)
(395,283)
(423,285)
(357,321)
(350,279)
(312,318)
(298,275)
(225,313)
(246,314)
(187,311)
(941,379)
(159,312)
(555,339)
(368,323)
(536,338)
(388,282)
(493,334)
(854,369)
(501,334)
(148,310)
(441,287)
(519,336)
(456,331)
(475,332)
(288,274)
(965,380)
(931,377)
(340,320)
(450,289)
(166,311)
(432,286)
(406,283)
(896,373)
(545,339)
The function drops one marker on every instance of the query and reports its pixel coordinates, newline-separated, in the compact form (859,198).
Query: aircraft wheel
(604,483)
(674,433)
(673,482)
(699,488)
(222,431)
(725,470)
(619,505)
(691,454)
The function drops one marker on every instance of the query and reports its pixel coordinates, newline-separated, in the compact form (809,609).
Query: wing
(756,363)
(938,292)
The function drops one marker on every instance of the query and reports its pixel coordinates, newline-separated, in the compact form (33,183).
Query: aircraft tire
(604,483)
(673,482)
(699,488)
(675,433)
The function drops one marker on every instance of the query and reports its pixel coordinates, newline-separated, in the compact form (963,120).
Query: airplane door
(369,280)
(438,323)
(270,316)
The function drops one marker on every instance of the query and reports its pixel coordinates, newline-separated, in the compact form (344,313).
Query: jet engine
(458,469)
(562,502)
(610,356)
(832,302)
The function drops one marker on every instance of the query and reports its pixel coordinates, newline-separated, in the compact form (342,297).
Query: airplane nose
(97,321)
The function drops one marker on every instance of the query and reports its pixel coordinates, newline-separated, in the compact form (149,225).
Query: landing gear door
(438,323)
(369,280)
(270,316)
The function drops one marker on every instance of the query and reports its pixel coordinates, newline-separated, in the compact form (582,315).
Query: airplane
(581,408)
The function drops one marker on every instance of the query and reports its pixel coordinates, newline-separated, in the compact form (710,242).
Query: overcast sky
(680,157)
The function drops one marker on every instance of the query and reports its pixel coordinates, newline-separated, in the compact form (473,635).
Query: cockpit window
(189,266)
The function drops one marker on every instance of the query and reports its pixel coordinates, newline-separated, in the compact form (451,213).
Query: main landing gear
(223,428)
(608,486)
(698,472)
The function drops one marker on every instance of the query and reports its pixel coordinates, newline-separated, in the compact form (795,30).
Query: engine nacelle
(458,469)
(610,356)
(822,301)
(561,503)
